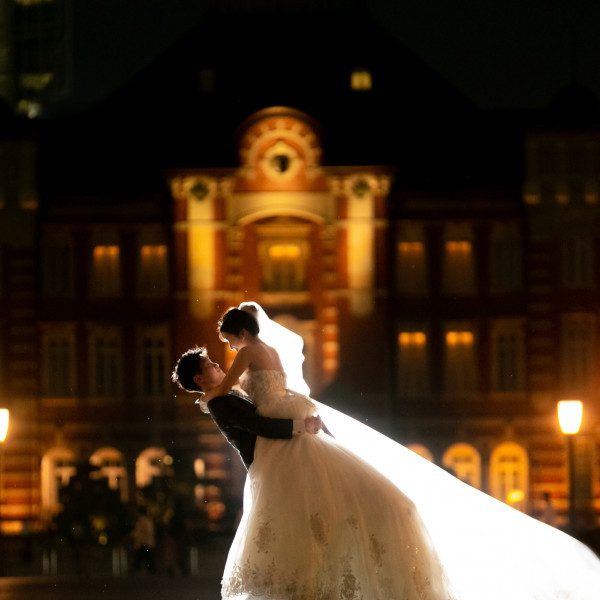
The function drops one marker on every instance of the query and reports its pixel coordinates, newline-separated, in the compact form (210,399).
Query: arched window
(464,461)
(112,466)
(421,450)
(509,474)
(58,466)
(152,462)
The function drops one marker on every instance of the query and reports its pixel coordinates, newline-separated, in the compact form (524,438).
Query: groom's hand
(313,424)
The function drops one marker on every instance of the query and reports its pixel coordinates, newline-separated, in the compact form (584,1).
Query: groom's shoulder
(232,398)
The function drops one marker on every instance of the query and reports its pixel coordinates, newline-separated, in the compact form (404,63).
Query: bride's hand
(201,402)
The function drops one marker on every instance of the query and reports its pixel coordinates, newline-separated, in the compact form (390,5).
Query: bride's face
(235,341)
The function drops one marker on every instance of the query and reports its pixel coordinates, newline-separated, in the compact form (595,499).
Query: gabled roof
(183,109)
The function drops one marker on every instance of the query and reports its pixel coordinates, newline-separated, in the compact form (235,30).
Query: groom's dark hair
(189,364)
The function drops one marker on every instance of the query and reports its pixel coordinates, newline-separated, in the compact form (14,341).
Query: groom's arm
(234,412)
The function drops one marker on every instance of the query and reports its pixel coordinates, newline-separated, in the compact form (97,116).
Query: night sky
(500,53)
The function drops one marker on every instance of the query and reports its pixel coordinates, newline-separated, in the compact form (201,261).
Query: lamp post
(570,414)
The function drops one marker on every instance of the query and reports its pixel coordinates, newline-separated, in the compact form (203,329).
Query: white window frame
(465,462)
(153,360)
(578,347)
(509,475)
(105,361)
(507,338)
(460,359)
(58,360)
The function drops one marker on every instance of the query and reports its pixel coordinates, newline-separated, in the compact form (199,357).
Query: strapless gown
(319,523)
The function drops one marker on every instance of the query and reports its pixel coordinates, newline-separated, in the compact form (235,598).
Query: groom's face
(211,375)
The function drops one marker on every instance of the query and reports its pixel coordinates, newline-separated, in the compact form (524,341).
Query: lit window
(459,270)
(578,352)
(284,267)
(509,475)
(464,462)
(508,356)
(360,80)
(578,262)
(421,450)
(58,361)
(106,363)
(412,269)
(152,462)
(460,369)
(531,192)
(111,466)
(153,272)
(154,343)
(106,272)
(413,379)
(58,466)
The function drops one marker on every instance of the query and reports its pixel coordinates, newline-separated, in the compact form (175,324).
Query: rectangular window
(105,362)
(459,269)
(106,271)
(413,375)
(505,260)
(58,361)
(361,80)
(460,364)
(57,270)
(508,356)
(153,275)
(578,262)
(412,268)
(154,365)
(578,352)
(284,266)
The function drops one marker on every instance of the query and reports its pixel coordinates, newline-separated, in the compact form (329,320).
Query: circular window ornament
(281,161)
(199,191)
(361,188)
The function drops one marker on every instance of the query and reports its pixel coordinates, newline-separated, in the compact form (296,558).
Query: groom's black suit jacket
(238,421)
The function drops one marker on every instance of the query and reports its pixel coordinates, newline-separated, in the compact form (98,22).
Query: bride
(319,523)
(358,516)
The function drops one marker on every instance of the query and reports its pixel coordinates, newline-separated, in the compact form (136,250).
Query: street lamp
(3,431)
(3,423)
(570,414)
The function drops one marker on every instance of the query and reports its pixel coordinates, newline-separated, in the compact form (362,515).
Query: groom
(234,414)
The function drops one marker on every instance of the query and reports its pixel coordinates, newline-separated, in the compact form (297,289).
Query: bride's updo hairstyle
(234,320)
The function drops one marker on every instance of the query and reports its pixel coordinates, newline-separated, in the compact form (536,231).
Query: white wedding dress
(320,524)
(335,519)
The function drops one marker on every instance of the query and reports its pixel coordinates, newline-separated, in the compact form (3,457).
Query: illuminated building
(441,295)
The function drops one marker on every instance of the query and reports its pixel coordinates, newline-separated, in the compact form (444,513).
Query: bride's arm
(240,364)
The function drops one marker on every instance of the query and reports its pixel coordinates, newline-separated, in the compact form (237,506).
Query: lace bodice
(263,386)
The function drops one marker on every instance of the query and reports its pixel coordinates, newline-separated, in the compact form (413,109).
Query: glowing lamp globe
(3,423)
(570,413)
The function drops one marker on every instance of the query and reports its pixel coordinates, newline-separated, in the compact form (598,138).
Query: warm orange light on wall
(412,338)
(284,251)
(102,253)
(149,253)
(462,338)
(410,247)
(458,247)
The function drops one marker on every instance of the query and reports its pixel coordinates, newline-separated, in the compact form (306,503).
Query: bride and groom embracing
(354,515)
